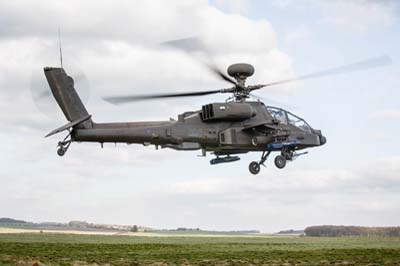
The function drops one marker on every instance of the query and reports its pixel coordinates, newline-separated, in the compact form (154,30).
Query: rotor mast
(240,72)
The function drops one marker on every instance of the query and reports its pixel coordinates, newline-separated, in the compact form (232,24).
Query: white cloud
(381,174)
(388,114)
(235,6)
(333,195)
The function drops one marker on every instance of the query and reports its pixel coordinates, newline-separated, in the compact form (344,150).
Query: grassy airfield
(75,249)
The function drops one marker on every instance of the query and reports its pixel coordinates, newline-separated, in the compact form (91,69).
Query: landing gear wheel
(254,168)
(61,151)
(280,162)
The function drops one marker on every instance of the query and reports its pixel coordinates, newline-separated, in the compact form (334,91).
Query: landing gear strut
(280,160)
(254,167)
(63,145)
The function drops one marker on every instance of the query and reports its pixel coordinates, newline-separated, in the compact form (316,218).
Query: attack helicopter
(226,129)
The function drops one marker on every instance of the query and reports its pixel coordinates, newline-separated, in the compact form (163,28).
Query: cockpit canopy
(285,117)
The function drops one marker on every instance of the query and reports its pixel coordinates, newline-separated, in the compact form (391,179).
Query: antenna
(59,44)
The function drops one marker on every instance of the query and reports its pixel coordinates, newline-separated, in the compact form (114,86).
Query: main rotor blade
(358,66)
(192,45)
(134,98)
(220,74)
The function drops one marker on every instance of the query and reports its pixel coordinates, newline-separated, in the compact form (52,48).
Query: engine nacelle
(227,112)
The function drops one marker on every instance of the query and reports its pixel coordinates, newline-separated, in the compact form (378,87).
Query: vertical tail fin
(62,87)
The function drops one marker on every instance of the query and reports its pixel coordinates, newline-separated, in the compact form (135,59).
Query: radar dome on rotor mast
(241,70)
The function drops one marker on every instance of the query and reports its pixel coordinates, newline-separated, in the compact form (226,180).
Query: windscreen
(285,117)
(298,122)
(278,114)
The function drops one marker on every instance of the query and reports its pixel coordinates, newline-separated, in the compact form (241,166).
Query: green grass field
(59,249)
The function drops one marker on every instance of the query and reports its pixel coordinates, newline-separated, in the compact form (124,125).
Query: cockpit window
(298,122)
(285,117)
(278,114)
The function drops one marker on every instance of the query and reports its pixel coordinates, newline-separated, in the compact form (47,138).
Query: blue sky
(354,179)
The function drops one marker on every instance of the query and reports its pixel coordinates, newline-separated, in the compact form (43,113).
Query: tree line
(335,231)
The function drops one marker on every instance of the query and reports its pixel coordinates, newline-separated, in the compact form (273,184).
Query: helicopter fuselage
(222,128)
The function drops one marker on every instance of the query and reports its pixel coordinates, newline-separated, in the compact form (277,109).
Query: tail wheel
(280,162)
(63,146)
(254,168)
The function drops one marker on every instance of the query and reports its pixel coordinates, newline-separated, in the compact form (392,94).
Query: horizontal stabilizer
(69,125)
